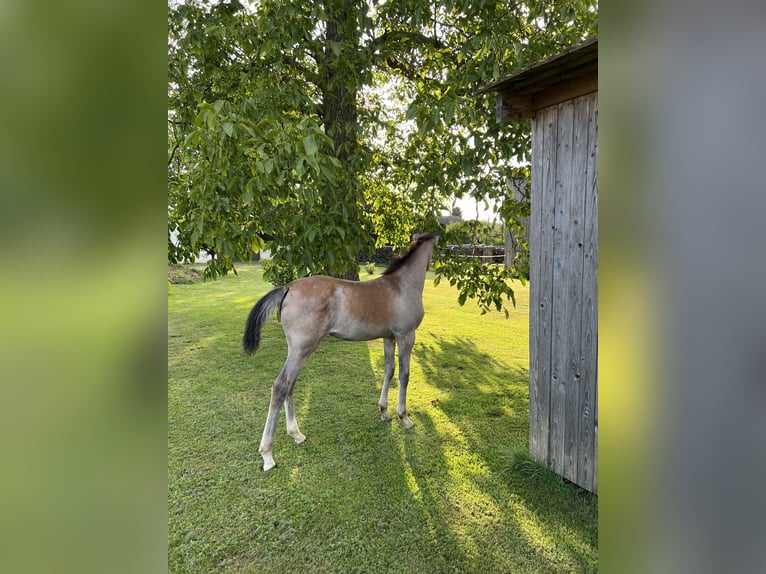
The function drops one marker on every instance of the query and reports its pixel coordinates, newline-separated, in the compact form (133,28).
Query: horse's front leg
(405,343)
(389,346)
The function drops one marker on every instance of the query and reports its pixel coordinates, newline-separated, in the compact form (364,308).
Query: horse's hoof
(268,462)
(385,417)
(406,422)
(299,438)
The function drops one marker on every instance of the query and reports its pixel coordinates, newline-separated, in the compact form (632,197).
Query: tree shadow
(436,496)
(482,414)
(361,493)
(350,488)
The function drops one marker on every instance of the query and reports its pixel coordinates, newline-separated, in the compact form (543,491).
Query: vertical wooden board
(573,251)
(536,450)
(595,445)
(541,428)
(560,293)
(546,268)
(588,436)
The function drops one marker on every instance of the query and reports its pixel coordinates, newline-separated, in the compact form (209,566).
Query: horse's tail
(258,315)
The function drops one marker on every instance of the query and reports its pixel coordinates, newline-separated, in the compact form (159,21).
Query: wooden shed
(560,94)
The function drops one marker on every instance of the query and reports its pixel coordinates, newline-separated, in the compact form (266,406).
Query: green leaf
(383,175)
(309,145)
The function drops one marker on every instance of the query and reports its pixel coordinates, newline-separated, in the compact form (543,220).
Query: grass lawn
(452,495)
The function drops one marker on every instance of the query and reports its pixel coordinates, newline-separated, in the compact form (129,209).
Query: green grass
(455,494)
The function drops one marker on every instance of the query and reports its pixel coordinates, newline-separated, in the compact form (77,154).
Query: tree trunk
(339,92)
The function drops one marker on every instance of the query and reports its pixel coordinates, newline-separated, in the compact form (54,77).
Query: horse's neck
(413,277)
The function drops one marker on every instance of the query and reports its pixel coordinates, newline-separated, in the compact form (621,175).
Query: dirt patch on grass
(181,275)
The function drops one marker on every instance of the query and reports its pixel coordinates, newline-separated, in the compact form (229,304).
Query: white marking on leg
(268,439)
(268,461)
(280,392)
(292,425)
(388,373)
(405,350)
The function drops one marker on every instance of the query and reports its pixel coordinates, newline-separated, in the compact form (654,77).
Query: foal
(389,307)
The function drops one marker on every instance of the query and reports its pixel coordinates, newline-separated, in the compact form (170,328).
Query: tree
(262,111)
(303,122)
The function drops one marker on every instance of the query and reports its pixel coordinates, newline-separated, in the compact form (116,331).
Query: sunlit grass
(452,495)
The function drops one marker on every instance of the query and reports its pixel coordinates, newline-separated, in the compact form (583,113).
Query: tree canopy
(327,126)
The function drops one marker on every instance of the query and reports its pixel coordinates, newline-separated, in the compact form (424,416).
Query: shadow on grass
(482,421)
(351,483)
(360,495)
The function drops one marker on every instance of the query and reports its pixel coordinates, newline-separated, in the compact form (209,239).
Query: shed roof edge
(539,67)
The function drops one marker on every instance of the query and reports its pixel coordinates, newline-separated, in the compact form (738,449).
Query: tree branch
(394,35)
(173,153)
(453,26)
(408,72)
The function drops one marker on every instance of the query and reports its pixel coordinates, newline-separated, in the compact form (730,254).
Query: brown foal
(389,307)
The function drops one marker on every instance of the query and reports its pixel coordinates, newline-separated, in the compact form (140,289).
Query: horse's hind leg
(281,392)
(388,373)
(405,350)
(292,424)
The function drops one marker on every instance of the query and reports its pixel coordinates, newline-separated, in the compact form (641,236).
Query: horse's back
(353,310)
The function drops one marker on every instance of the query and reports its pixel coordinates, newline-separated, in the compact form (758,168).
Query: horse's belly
(358,331)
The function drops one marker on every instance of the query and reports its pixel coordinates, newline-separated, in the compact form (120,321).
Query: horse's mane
(397,264)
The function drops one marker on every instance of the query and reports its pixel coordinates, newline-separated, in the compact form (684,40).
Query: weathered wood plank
(544,202)
(587,474)
(570,90)
(563,290)
(560,307)
(590,481)
(595,448)
(537,451)
(573,264)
